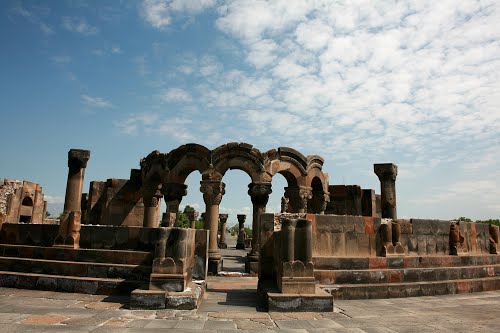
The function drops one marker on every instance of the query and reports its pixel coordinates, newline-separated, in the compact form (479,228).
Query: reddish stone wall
(115,202)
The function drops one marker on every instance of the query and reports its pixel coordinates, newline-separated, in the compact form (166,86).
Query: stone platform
(45,311)
(90,271)
(393,277)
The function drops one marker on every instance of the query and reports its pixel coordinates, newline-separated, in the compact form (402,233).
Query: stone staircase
(390,277)
(90,271)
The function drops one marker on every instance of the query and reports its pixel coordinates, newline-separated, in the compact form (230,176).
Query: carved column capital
(212,190)
(223,218)
(78,158)
(299,196)
(241,218)
(174,191)
(259,193)
(386,171)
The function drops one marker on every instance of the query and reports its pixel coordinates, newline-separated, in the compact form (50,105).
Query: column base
(222,245)
(214,266)
(240,246)
(252,264)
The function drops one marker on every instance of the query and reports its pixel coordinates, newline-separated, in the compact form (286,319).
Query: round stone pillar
(259,194)
(213,190)
(192,217)
(387,173)
(222,240)
(77,162)
(151,199)
(70,223)
(240,243)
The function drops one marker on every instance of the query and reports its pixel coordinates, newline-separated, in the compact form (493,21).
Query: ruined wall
(344,236)
(114,202)
(22,202)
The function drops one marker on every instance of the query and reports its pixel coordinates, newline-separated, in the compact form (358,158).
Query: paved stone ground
(230,307)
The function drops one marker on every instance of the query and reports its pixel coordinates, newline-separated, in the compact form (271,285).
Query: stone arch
(314,170)
(289,163)
(239,156)
(186,159)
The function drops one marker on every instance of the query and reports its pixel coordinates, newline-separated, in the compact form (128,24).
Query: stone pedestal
(240,243)
(387,174)
(259,194)
(70,224)
(296,274)
(213,190)
(390,233)
(174,258)
(222,240)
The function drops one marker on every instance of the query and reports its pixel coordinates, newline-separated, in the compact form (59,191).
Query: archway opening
(26,210)
(235,201)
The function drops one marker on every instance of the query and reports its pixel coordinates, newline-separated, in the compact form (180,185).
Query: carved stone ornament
(259,193)
(78,158)
(212,191)
(174,191)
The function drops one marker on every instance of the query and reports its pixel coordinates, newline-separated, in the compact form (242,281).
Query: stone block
(86,287)
(147,299)
(168,282)
(214,266)
(46,283)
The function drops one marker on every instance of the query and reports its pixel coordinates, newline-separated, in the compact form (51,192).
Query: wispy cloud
(34,16)
(61,59)
(54,199)
(96,102)
(79,25)
(158,13)
(176,95)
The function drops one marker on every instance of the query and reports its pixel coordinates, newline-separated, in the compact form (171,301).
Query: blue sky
(357,82)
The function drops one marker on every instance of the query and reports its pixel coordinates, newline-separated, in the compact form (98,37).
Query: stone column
(240,243)
(172,194)
(192,217)
(213,190)
(151,196)
(298,196)
(222,241)
(259,193)
(70,224)
(387,173)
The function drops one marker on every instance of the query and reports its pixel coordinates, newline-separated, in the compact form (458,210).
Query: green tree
(490,221)
(464,219)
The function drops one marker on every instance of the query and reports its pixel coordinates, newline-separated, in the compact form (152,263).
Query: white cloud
(54,199)
(61,60)
(158,13)
(176,95)
(96,102)
(79,25)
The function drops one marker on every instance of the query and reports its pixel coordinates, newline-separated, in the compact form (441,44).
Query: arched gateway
(164,175)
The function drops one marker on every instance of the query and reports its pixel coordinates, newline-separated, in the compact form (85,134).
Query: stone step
(411,289)
(372,276)
(345,263)
(75,268)
(69,284)
(83,255)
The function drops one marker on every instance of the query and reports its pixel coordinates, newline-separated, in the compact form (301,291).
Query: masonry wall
(115,202)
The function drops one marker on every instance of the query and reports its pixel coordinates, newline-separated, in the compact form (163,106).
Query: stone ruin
(328,241)
(21,201)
